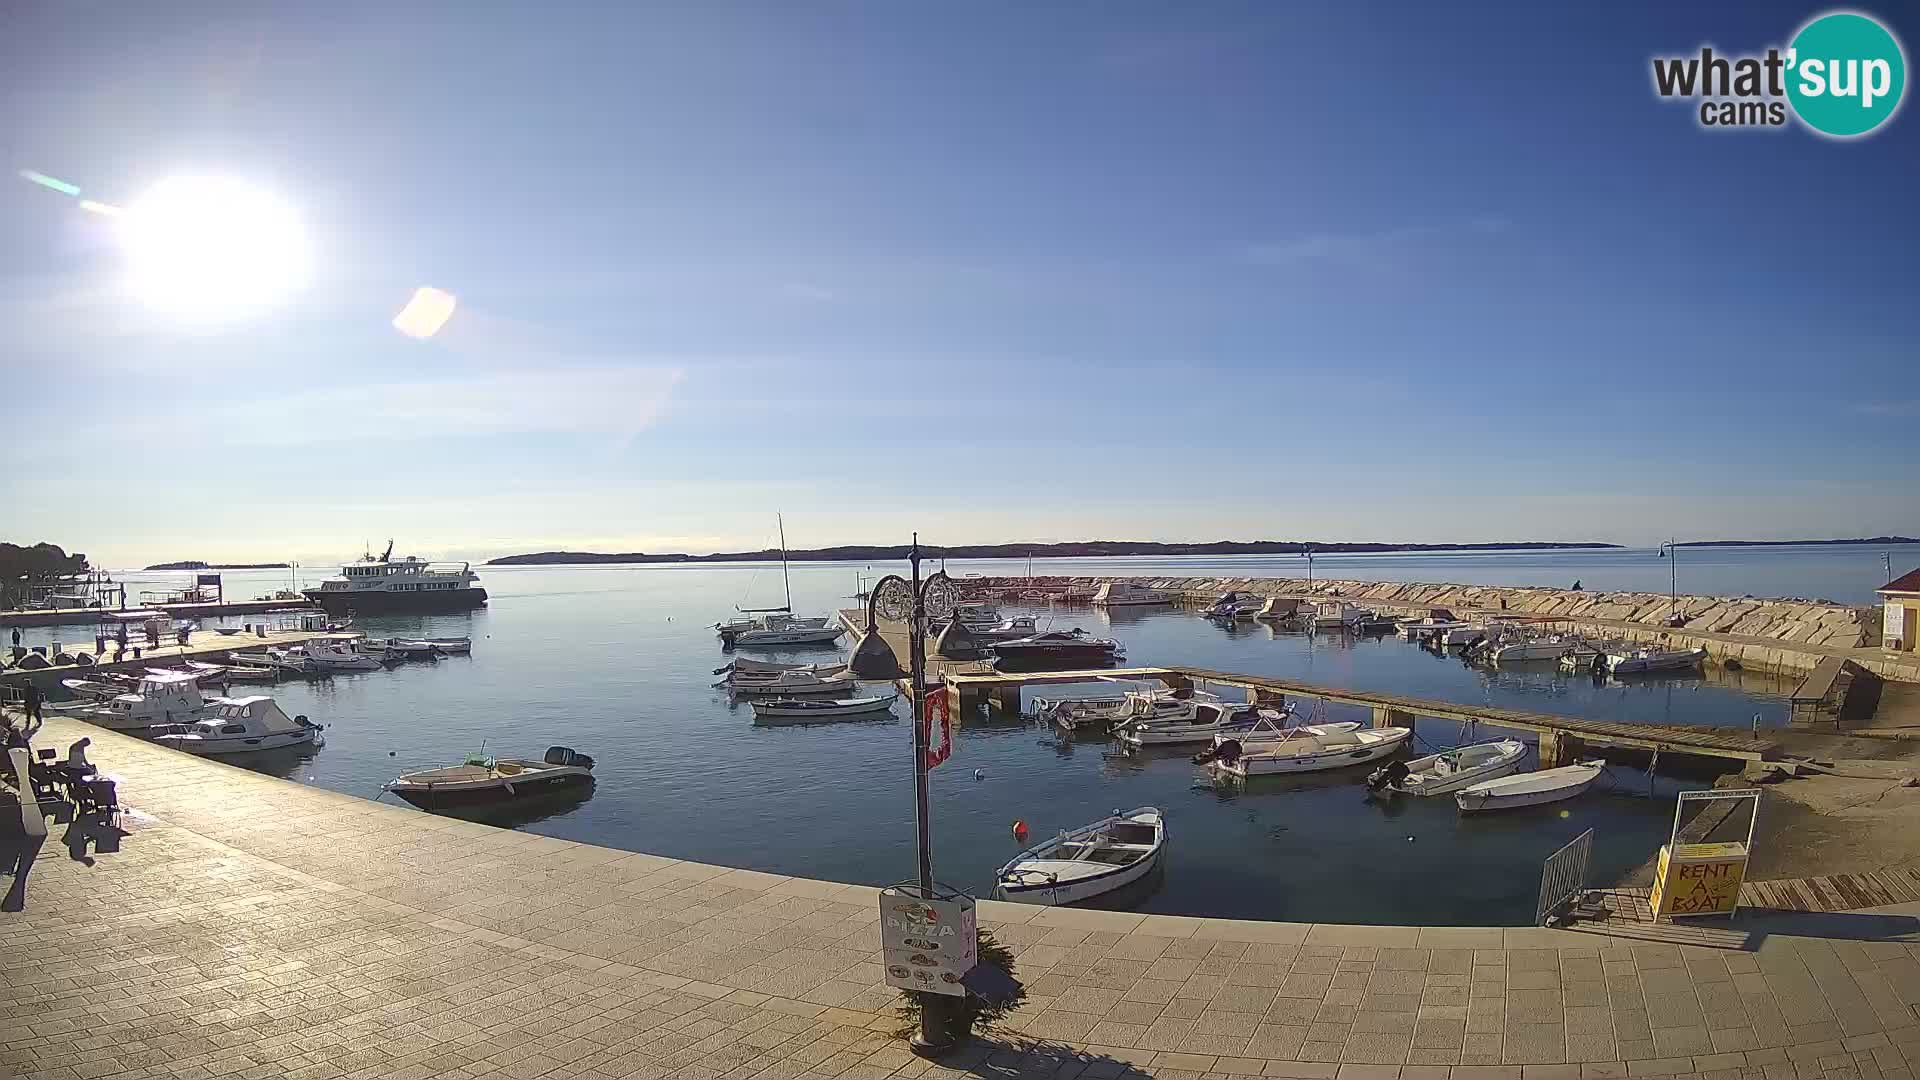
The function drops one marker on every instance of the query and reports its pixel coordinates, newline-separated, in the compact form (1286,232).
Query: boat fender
(1019,830)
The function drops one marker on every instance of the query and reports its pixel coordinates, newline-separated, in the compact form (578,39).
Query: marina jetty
(1786,636)
(237,924)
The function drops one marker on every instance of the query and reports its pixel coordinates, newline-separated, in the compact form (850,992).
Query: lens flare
(210,247)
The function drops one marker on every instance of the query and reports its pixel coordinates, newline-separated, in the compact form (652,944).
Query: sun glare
(210,248)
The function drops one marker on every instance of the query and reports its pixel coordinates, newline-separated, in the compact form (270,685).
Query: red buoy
(1019,830)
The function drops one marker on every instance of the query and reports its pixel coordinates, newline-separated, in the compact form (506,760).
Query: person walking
(31,698)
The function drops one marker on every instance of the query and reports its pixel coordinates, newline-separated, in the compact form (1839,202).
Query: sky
(989,271)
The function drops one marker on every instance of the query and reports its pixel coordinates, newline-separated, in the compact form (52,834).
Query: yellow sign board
(1698,879)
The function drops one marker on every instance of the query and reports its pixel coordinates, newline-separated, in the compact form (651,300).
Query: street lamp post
(915,602)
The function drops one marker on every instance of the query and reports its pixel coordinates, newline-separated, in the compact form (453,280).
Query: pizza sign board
(927,944)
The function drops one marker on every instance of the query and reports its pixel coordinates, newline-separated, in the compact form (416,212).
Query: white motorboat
(1235,605)
(1271,727)
(1195,721)
(780,627)
(806,711)
(1128,594)
(1639,661)
(202,673)
(381,584)
(1104,712)
(452,644)
(1531,789)
(1019,626)
(788,683)
(160,700)
(1302,752)
(92,691)
(782,632)
(1512,650)
(747,666)
(1337,614)
(399,648)
(1438,774)
(764,621)
(1056,647)
(484,779)
(974,614)
(240,726)
(1086,862)
(325,656)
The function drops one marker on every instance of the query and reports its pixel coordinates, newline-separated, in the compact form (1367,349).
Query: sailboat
(777,626)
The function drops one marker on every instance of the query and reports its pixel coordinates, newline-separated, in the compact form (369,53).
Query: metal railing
(1563,877)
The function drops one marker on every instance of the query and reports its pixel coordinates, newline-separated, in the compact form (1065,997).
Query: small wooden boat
(789,683)
(803,711)
(483,779)
(246,673)
(1531,789)
(242,726)
(1086,862)
(452,644)
(1437,774)
(1303,752)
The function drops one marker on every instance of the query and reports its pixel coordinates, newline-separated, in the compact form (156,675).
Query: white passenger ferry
(410,584)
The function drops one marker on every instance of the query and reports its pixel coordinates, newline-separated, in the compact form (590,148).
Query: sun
(211,248)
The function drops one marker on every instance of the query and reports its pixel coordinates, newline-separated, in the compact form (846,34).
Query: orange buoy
(1019,830)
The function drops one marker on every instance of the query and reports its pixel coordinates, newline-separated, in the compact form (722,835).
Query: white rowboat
(795,711)
(1531,789)
(1086,862)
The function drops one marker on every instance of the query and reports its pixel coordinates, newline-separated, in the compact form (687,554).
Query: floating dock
(1562,738)
(203,645)
(202,610)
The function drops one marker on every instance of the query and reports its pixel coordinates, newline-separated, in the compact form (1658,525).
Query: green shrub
(965,1014)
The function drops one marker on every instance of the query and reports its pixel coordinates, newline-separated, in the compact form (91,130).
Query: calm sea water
(617,662)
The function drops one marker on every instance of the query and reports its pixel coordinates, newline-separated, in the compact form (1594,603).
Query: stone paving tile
(400,948)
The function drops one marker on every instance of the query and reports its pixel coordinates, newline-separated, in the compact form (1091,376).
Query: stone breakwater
(1788,621)
(1782,635)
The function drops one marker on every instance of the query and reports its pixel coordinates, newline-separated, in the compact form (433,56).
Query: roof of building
(1907,582)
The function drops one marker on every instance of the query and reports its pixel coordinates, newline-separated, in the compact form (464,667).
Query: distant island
(1793,543)
(195,564)
(1090,549)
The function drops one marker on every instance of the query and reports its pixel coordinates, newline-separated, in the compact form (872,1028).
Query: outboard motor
(1227,752)
(562,755)
(1393,774)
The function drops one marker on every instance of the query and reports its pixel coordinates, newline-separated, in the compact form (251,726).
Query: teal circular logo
(1846,74)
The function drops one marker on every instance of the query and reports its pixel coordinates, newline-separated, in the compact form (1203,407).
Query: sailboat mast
(785,582)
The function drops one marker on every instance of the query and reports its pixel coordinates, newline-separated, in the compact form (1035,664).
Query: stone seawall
(1788,621)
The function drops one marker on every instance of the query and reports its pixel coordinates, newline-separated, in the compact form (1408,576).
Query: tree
(24,568)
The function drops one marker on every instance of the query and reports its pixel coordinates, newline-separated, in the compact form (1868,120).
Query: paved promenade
(252,927)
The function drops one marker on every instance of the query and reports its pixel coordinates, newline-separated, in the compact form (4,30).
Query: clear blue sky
(993,271)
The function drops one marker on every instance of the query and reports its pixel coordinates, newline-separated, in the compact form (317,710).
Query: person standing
(32,699)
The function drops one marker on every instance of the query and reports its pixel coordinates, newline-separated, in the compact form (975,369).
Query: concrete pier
(245,926)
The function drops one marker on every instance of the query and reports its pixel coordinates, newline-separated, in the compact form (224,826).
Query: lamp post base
(923,1043)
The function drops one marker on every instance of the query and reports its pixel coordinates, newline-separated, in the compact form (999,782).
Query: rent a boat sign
(928,944)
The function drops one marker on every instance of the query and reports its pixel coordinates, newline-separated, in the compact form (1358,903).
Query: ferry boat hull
(369,601)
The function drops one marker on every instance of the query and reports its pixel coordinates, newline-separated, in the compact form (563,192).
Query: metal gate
(1564,877)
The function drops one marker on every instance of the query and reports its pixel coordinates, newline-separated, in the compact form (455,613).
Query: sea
(619,662)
